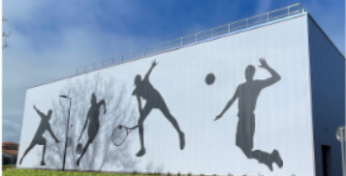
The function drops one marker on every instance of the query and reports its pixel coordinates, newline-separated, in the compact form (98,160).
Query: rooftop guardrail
(197,37)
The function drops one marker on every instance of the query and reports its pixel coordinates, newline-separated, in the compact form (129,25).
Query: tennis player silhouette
(38,138)
(153,99)
(247,94)
(94,123)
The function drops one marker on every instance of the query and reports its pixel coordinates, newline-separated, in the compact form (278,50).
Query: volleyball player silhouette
(94,123)
(38,138)
(153,99)
(247,94)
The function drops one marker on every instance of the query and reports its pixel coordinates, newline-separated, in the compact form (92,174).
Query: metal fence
(194,38)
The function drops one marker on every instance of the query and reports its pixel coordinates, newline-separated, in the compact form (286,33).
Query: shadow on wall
(101,153)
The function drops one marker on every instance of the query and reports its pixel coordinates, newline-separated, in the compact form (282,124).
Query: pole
(67,127)
(342,153)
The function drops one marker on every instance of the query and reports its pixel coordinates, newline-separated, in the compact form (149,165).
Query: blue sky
(50,39)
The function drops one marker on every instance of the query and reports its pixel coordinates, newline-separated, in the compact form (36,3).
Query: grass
(4,167)
(27,172)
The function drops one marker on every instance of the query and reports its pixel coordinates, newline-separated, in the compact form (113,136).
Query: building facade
(265,99)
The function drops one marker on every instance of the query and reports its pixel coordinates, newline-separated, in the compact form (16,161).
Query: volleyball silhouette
(210,78)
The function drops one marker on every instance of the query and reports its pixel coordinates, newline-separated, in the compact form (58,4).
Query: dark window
(326,160)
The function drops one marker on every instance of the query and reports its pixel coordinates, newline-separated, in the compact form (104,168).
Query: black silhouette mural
(101,154)
(38,138)
(247,94)
(145,90)
(94,124)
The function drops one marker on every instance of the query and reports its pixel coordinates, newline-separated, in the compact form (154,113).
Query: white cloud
(21,11)
(10,130)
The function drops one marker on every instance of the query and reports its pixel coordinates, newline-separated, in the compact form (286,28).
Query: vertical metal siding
(328,95)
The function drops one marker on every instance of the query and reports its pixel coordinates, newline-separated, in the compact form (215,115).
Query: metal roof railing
(201,36)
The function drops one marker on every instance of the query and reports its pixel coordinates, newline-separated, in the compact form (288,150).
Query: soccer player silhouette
(153,99)
(94,123)
(247,94)
(38,138)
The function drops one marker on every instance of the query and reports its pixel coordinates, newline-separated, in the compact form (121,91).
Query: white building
(281,120)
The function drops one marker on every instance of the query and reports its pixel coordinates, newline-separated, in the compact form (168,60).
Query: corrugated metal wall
(328,96)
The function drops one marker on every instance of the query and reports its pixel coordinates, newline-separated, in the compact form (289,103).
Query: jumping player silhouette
(38,138)
(153,99)
(247,94)
(94,124)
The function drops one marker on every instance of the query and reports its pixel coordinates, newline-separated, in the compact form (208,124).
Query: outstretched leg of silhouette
(83,152)
(92,132)
(42,141)
(145,112)
(36,141)
(43,154)
(174,122)
(244,140)
(32,145)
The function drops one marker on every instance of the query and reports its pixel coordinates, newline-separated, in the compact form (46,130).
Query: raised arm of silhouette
(153,98)
(38,138)
(149,72)
(275,77)
(39,112)
(102,102)
(229,104)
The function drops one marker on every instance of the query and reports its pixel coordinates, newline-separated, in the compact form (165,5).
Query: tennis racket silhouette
(120,134)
